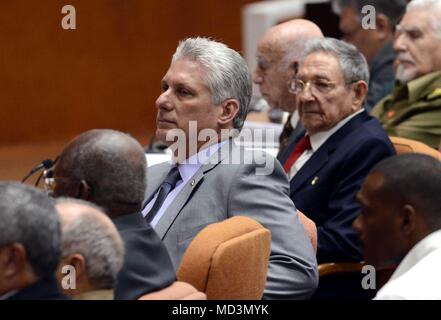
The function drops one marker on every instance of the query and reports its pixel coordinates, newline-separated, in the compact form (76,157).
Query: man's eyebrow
(320,76)
(408,29)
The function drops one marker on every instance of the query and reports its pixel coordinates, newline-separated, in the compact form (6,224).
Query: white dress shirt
(418,276)
(187,170)
(317,140)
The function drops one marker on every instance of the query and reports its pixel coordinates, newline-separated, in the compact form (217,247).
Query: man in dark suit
(327,164)
(108,168)
(30,244)
(204,101)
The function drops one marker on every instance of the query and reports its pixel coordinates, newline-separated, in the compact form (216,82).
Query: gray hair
(102,247)
(28,217)
(432,6)
(227,74)
(352,62)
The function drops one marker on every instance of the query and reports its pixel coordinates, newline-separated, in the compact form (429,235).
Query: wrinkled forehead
(320,65)
(420,19)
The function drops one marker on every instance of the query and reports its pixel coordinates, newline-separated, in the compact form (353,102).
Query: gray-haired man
(30,244)
(213,179)
(327,164)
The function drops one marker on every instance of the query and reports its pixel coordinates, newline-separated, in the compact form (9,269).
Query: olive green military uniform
(413,111)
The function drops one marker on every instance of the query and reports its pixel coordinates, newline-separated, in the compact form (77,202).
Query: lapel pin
(192,182)
(314,181)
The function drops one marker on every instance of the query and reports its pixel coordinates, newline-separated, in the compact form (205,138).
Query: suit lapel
(185,194)
(321,156)
(155,181)
(295,136)
(314,164)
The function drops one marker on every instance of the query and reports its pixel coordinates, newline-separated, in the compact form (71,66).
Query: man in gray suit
(204,101)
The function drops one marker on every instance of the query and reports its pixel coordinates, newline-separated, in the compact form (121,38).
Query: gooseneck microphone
(45,164)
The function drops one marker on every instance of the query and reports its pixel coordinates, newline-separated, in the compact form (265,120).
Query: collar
(188,168)
(295,118)
(320,138)
(418,87)
(45,289)
(419,251)
(102,294)
(8,294)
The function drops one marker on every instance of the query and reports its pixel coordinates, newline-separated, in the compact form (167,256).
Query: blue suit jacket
(324,189)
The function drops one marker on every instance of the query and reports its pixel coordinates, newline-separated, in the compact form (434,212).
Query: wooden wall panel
(56,83)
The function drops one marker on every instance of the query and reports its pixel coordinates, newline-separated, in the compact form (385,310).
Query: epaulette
(434,94)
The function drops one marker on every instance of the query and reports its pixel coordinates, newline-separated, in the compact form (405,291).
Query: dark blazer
(147,266)
(45,289)
(324,189)
(382,77)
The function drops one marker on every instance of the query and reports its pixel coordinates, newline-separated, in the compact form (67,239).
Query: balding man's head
(91,245)
(106,167)
(277,53)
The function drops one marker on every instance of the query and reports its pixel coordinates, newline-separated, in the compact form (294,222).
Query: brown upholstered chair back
(403,145)
(228,260)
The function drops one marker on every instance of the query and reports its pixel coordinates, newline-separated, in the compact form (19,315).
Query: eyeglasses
(51,182)
(297,86)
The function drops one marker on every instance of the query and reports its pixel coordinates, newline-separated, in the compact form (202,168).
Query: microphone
(45,164)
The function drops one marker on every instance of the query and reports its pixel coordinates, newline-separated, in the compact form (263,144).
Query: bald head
(284,34)
(278,52)
(105,167)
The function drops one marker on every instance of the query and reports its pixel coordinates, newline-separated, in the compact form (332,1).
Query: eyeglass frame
(49,181)
(312,87)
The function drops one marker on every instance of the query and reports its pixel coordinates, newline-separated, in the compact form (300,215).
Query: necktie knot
(165,188)
(304,144)
(173,177)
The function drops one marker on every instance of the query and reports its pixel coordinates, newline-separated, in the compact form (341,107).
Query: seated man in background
(413,110)
(108,168)
(374,43)
(92,246)
(204,101)
(278,53)
(30,243)
(400,225)
(327,165)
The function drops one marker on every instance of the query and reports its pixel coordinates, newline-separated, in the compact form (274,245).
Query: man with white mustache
(413,110)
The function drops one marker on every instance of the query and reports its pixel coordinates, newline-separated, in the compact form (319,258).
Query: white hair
(227,73)
(434,7)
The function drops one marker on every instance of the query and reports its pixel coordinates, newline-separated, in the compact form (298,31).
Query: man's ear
(359,90)
(293,69)
(84,191)
(77,261)
(230,108)
(382,27)
(408,219)
(13,259)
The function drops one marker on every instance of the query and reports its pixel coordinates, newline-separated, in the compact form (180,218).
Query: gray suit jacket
(226,186)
